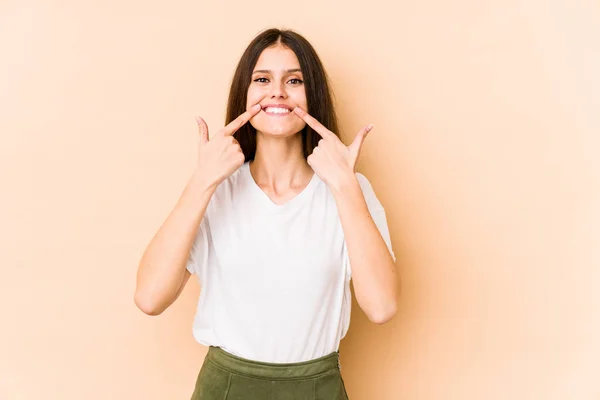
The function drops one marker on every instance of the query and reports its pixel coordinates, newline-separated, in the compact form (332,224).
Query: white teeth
(276,110)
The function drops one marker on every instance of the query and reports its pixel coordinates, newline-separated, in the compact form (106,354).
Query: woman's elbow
(146,304)
(384,314)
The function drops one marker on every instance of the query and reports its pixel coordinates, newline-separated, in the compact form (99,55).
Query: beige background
(484,154)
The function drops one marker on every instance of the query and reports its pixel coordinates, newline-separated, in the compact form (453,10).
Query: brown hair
(318,95)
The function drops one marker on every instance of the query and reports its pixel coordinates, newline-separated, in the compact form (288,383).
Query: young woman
(274,222)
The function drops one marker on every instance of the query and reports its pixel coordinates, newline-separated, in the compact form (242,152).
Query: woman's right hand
(220,155)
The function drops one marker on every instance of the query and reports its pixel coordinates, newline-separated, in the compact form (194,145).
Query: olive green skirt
(224,376)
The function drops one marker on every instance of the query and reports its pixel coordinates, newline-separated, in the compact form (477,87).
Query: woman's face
(278,85)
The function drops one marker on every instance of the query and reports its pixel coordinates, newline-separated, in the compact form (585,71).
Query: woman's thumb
(203,129)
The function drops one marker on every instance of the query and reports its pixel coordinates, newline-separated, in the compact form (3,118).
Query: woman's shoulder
(234,181)
(233,187)
(364,183)
(368,191)
(362,180)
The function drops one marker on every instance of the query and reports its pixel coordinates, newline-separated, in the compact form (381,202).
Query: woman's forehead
(277,59)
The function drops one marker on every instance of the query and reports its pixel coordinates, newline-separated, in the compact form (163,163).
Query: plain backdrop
(484,155)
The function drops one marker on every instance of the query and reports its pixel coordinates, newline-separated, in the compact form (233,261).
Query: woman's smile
(277,110)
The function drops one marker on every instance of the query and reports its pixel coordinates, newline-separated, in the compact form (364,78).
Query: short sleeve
(199,253)
(377,213)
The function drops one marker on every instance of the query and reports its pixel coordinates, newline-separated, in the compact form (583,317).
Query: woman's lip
(277,114)
(277,106)
(274,114)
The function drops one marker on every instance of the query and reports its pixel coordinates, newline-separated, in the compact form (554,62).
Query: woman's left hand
(332,160)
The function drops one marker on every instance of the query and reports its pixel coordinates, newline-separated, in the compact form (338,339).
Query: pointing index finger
(313,123)
(237,123)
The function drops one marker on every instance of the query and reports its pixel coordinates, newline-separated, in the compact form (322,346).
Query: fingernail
(256,107)
(370,127)
(198,119)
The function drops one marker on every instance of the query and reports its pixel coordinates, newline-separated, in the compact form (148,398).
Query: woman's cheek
(300,100)
(254,97)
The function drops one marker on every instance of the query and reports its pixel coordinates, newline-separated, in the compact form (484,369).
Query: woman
(274,222)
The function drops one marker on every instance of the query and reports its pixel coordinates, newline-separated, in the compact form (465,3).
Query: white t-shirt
(275,279)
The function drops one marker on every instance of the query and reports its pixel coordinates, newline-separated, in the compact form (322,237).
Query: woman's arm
(372,263)
(162,271)
(373,271)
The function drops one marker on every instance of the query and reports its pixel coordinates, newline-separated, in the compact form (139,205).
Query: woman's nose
(277,90)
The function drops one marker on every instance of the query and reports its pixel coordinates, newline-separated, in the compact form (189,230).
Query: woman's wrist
(200,183)
(344,184)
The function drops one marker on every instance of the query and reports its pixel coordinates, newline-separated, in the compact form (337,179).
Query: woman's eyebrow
(268,71)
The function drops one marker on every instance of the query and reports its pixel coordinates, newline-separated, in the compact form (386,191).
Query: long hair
(319,97)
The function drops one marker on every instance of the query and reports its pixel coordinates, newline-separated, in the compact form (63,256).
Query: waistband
(273,371)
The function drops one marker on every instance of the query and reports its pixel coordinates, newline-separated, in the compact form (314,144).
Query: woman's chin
(278,131)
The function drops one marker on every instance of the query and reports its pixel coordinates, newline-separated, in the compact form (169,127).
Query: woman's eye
(293,81)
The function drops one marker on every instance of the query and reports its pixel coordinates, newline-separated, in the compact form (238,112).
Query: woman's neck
(279,163)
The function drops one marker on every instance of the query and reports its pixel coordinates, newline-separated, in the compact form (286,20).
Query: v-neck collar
(264,199)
